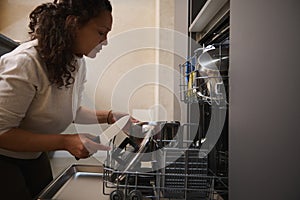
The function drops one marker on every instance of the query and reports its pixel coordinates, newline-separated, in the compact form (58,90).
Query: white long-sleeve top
(28,100)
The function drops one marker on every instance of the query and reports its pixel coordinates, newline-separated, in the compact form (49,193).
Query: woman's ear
(71,21)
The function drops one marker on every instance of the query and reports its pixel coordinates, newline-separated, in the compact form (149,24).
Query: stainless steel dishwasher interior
(77,182)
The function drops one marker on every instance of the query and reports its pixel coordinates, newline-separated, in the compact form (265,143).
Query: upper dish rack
(204,75)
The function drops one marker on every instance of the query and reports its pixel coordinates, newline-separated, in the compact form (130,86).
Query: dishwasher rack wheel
(135,195)
(117,195)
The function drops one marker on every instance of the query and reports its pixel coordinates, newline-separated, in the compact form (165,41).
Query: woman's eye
(101,33)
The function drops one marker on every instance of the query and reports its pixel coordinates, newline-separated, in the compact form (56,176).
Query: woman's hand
(115,116)
(83,145)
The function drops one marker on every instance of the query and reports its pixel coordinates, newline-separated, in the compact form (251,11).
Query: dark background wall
(6,44)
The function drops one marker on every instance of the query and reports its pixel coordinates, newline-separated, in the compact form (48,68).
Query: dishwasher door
(77,182)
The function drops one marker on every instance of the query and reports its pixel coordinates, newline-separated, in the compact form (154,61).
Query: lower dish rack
(185,177)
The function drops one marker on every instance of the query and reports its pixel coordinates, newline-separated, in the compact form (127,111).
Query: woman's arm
(20,140)
(87,116)
(79,145)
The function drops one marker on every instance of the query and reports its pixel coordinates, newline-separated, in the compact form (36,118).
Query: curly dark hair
(55,37)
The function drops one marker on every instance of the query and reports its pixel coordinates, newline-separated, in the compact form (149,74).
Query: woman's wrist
(110,119)
(66,141)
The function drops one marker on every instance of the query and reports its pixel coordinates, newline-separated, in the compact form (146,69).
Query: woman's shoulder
(24,52)
(26,47)
(24,61)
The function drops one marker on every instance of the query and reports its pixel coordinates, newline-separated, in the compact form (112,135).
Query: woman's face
(90,37)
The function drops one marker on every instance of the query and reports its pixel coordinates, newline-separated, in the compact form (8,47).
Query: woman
(41,84)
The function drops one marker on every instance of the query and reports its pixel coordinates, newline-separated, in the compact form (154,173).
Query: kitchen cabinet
(264,111)
(264,100)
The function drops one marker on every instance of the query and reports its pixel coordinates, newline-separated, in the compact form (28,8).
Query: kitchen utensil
(125,159)
(132,158)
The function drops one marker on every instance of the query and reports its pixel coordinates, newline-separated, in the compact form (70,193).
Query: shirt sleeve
(17,89)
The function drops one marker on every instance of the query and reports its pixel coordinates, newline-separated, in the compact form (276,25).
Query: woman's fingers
(93,144)
(84,145)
